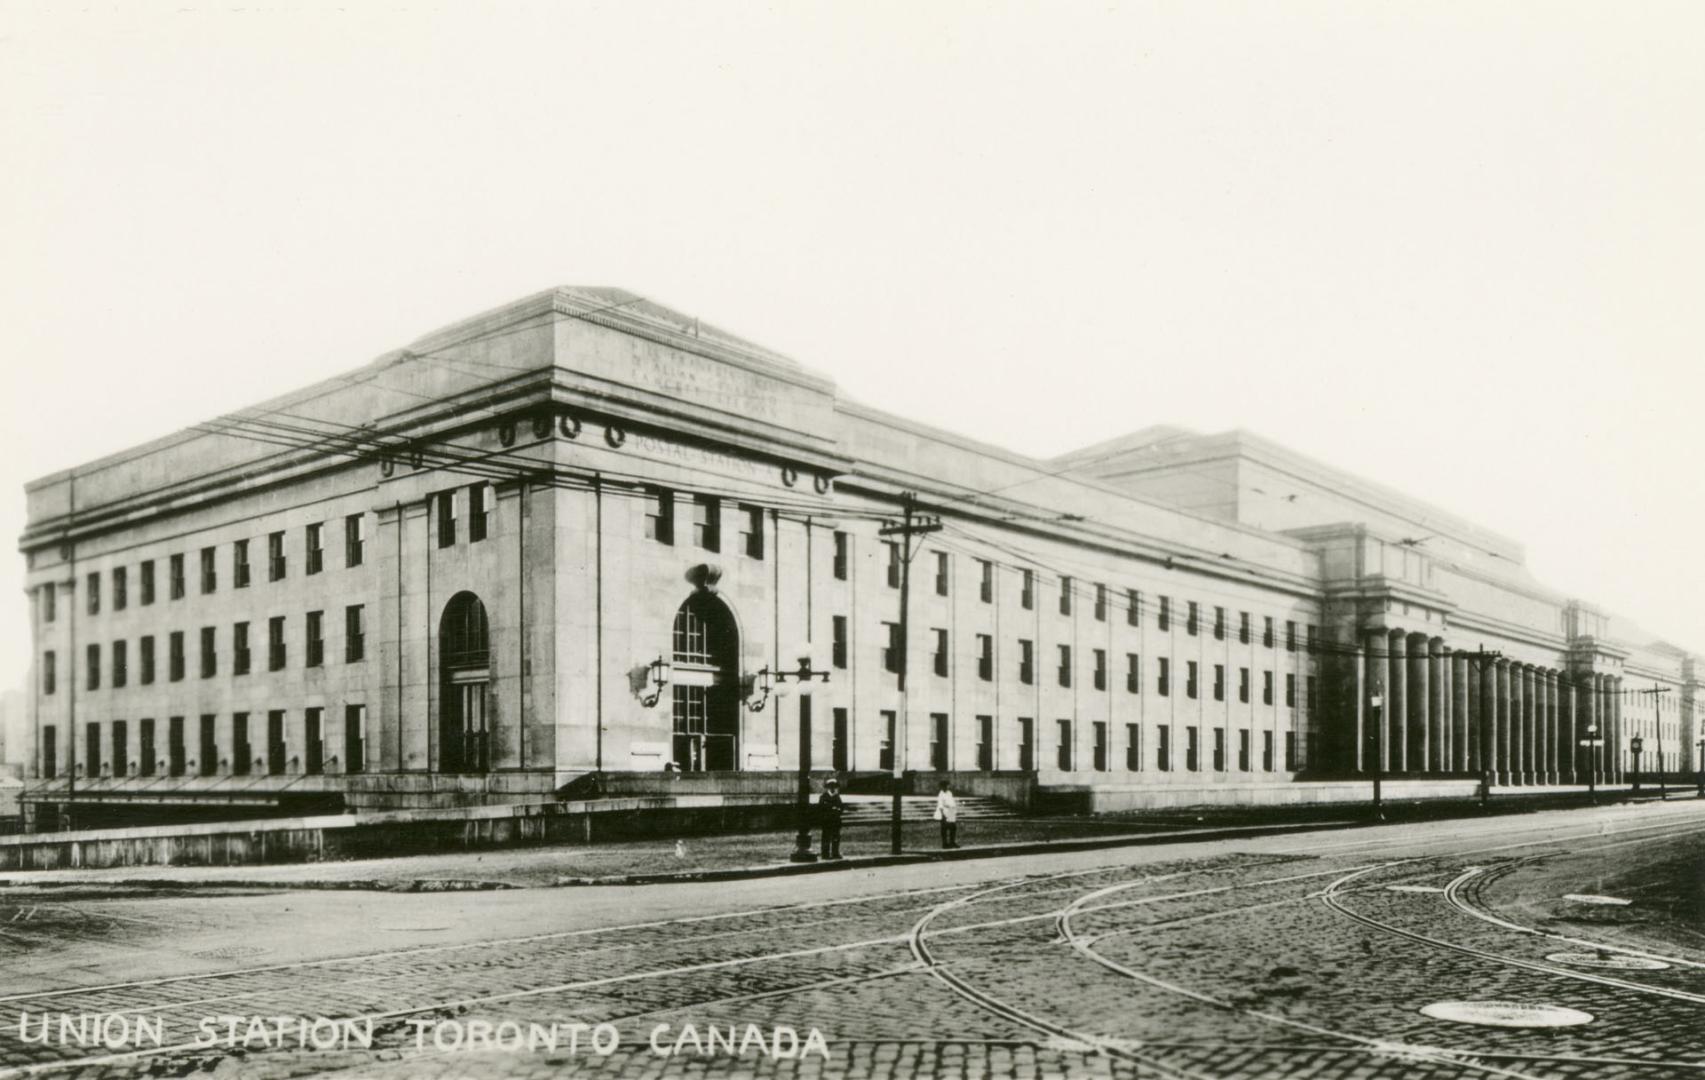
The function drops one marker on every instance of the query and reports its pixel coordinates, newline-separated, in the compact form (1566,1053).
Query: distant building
(585,534)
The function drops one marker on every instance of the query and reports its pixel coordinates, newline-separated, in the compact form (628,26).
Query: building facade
(583,535)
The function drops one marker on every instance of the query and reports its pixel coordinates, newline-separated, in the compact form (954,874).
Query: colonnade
(1447,710)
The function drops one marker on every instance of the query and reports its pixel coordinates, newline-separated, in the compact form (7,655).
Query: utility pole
(1376,703)
(1488,742)
(911,524)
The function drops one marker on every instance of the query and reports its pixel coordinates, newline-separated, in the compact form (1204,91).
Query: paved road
(1307,955)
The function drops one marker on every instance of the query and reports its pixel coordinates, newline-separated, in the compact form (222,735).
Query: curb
(987,851)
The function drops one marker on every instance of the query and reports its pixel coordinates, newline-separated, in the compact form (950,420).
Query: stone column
(1542,725)
(1501,761)
(1419,702)
(1593,687)
(1556,728)
(1572,725)
(1518,713)
(1396,701)
(1460,748)
(1621,737)
(1438,708)
(1530,722)
(1475,742)
(1376,643)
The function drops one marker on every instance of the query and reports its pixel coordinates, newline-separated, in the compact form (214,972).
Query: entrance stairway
(875,809)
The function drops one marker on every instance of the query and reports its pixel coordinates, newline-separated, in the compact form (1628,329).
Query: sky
(1455,248)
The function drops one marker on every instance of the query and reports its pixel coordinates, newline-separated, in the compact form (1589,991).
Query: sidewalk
(697,858)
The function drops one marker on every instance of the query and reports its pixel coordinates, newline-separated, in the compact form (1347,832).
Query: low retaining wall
(357,836)
(1113,798)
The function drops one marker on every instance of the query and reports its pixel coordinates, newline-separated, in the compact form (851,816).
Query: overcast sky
(1452,247)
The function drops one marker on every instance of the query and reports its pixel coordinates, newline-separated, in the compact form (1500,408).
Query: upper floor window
(175,656)
(147,582)
(209,654)
(49,672)
(660,515)
(1027,589)
(1190,678)
(707,522)
(445,506)
(315,541)
(940,573)
(120,588)
(1133,608)
(985,581)
(840,555)
(1065,665)
(893,563)
(275,557)
(240,656)
(838,649)
(176,573)
(1164,618)
(316,639)
(752,534)
(1190,619)
(941,654)
(146,658)
(1313,639)
(240,564)
(209,574)
(354,539)
(479,511)
(1290,634)
(1243,628)
(1026,661)
(985,657)
(49,602)
(94,591)
(1065,595)
(275,643)
(92,667)
(891,651)
(354,633)
(1219,623)
(1101,603)
(1101,669)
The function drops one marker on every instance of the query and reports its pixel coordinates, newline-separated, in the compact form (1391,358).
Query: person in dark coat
(829,811)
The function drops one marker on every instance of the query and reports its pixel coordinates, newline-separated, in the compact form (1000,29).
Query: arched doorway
(464,664)
(706,686)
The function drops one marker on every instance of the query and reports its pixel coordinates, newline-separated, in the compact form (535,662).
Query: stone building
(583,535)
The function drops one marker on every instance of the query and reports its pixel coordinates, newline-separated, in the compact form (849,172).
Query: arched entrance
(706,686)
(464,664)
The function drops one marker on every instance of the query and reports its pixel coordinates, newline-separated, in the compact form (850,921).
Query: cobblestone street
(1306,955)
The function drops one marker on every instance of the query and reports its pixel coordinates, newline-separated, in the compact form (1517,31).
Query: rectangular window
(1266,751)
(1290,751)
(120,663)
(1101,603)
(1164,618)
(838,646)
(893,551)
(120,748)
(1313,639)
(120,588)
(659,515)
(891,651)
(242,751)
(938,741)
(49,752)
(316,639)
(1026,744)
(147,761)
(752,536)
(275,566)
(1266,688)
(1191,620)
(1243,628)
(275,643)
(1063,753)
(1163,681)
(1027,589)
(354,738)
(275,746)
(94,591)
(1163,749)
(354,633)
(175,656)
(315,542)
(175,577)
(940,654)
(1133,608)
(444,505)
(1133,673)
(92,750)
(707,522)
(986,743)
(313,734)
(1290,635)
(1190,679)
(1290,691)
(1193,749)
(49,673)
(1219,623)
(1098,758)
(1243,751)
(207,753)
(1243,685)
(941,568)
(354,539)
(838,732)
(1219,682)
(985,581)
(1133,747)
(146,647)
(985,657)
(1065,665)
(1101,669)
(146,585)
(92,667)
(479,511)
(50,602)
(240,656)
(209,654)
(209,571)
(885,752)
(1065,596)
(1026,661)
(1309,689)
(1267,631)
(841,555)
(240,564)
(175,755)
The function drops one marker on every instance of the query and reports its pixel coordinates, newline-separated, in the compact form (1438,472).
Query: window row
(706,511)
(253,746)
(242,656)
(354,553)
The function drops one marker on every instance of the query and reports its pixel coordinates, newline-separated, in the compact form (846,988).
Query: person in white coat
(947,812)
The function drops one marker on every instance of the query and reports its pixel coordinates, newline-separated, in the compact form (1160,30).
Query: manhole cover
(1607,960)
(1589,898)
(1508,1014)
(1414,888)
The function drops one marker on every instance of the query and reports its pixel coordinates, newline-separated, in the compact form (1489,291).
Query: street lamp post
(1635,745)
(1375,703)
(1699,770)
(1592,767)
(802,839)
